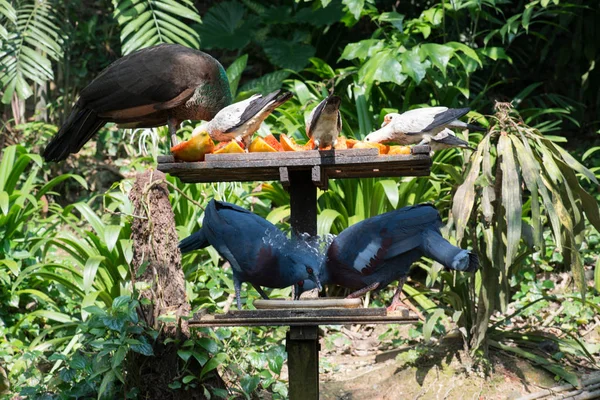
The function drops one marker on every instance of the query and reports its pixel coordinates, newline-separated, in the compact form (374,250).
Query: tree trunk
(157,262)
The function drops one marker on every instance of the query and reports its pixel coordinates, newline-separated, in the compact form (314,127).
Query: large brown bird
(164,84)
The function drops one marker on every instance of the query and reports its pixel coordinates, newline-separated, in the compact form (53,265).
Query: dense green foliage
(68,322)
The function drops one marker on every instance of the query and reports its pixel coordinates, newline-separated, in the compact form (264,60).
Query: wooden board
(328,302)
(304,317)
(325,165)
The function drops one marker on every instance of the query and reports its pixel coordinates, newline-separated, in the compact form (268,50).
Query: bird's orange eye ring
(387,118)
(309,270)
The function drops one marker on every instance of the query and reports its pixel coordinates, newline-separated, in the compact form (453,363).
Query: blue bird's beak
(318,282)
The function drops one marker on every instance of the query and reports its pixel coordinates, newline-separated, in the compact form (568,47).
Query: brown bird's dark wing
(148,80)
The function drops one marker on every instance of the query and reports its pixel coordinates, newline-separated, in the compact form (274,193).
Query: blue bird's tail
(195,241)
(452,257)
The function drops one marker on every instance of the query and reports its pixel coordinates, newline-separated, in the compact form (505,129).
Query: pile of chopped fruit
(196,148)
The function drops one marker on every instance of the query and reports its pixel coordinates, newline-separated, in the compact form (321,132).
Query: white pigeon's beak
(379,135)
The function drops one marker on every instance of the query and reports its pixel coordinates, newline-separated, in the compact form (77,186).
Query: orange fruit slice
(288,143)
(259,145)
(341,143)
(229,147)
(271,141)
(399,150)
(194,149)
(383,149)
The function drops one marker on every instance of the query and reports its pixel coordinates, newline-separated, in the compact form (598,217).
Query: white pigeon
(419,125)
(324,123)
(240,120)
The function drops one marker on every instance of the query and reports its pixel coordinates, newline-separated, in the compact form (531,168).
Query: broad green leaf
(393,18)
(496,53)
(234,73)
(438,54)
(362,50)
(249,383)
(382,67)
(90,216)
(89,272)
(266,83)
(51,184)
(118,357)
(106,381)
(413,66)
(469,52)
(288,54)
(88,301)
(213,363)
(355,7)
(226,26)
(208,345)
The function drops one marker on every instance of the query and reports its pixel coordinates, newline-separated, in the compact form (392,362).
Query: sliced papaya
(351,142)
(310,145)
(288,143)
(383,149)
(399,150)
(229,147)
(341,143)
(194,149)
(273,142)
(259,145)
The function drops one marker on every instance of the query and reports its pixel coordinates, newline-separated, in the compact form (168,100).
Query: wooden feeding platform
(301,172)
(302,340)
(321,165)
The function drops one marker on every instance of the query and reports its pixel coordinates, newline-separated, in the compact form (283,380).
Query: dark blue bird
(372,253)
(259,253)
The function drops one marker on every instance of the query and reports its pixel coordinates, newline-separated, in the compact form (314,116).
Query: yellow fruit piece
(399,150)
(194,149)
(231,147)
(259,145)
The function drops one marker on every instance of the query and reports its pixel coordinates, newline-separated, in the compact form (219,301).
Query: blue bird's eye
(309,270)
(301,283)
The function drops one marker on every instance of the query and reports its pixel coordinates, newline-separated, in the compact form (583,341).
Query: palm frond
(32,39)
(146,23)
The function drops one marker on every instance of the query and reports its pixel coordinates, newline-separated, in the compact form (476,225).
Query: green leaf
(430,324)
(463,201)
(188,378)
(249,383)
(184,354)
(111,235)
(597,275)
(362,50)
(148,22)
(355,7)
(393,18)
(413,66)
(89,272)
(439,54)
(106,381)
(213,363)
(119,356)
(325,221)
(234,73)
(288,53)
(208,345)
(382,67)
(225,26)
(469,52)
(511,197)
(496,53)
(4,202)
(266,83)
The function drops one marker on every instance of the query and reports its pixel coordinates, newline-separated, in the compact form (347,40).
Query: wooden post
(302,342)
(303,203)
(302,345)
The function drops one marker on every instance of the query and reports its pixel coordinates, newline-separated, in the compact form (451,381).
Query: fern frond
(146,23)
(32,40)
